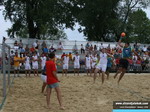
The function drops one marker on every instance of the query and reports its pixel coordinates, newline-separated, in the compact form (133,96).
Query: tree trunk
(30,22)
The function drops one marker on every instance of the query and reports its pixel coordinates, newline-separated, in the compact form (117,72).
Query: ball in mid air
(123,34)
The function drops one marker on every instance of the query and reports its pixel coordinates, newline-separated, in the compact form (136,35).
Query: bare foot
(62,108)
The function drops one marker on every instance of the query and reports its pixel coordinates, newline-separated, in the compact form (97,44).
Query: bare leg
(43,87)
(119,71)
(95,74)
(103,77)
(26,72)
(121,75)
(49,90)
(90,71)
(99,73)
(37,72)
(63,72)
(87,72)
(66,72)
(78,71)
(34,72)
(107,73)
(59,97)
(29,73)
(74,71)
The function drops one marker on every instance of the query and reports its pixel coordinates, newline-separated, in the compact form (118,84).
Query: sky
(72,35)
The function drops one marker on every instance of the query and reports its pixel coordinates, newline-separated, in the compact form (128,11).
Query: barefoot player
(65,64)
(123,63)
(102,65)
(76,60)
(88,62)
(52,81)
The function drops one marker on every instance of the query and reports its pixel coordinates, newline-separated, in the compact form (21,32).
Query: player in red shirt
(52,80)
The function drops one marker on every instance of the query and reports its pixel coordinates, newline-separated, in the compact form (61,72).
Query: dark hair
(128,43)
(51,55)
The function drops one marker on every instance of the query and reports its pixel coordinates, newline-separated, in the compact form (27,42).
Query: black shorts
(124,63)
(108,69)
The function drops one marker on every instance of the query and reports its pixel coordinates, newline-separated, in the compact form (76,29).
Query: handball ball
(123,34)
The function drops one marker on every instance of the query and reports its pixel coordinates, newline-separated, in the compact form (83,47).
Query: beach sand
(78,92)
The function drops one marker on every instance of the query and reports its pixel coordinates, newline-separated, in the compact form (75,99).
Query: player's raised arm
(120,40)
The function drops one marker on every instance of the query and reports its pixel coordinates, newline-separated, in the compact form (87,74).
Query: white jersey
(27,61)
(103,58)
(35,58)
(77,60)
(88,60)
(66,60)
(43,61)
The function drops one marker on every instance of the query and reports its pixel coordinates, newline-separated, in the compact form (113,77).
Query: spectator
(62,56)
(45,50)
(27,50)
(60,46)
(22,51)
(87,46)
(144,49)
(16,46)
(52,49)
(43,44)
(91,48)
(36,45)
(16,64)
(20,44)
(95,48)
(136,47)
(82,49)
(101,47)
(32,49)
(12,54)
(70,56)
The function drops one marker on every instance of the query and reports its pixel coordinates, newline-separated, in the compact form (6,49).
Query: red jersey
(50,67)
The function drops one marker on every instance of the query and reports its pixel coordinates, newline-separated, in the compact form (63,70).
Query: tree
(34,15)
(138,26)
(124,9)
(95,17)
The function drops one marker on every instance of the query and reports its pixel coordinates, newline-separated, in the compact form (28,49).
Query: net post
(4,69)
(8,66)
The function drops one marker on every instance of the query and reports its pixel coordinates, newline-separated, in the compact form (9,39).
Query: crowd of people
(34,57)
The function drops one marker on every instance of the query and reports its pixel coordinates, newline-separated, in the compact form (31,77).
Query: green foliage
(37,17)
(138,27)
(99,20)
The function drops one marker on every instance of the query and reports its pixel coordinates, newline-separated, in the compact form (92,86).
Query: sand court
(78,92)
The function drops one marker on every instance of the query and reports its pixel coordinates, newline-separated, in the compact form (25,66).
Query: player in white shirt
(43,61)
(27,65)
(35,63)
(94,60)
(88,63)
(102,65)
(65,60)
(76,60)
